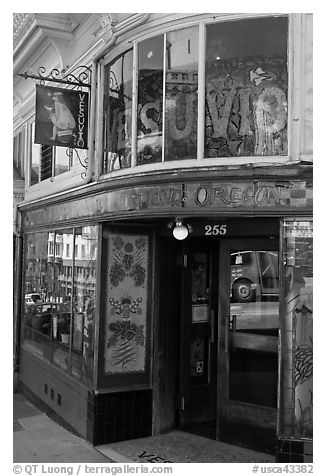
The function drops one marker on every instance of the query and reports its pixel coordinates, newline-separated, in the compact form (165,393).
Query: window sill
(233,163)
(53,185)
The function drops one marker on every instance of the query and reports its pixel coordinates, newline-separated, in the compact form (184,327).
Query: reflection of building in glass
(75,259)
(36,267)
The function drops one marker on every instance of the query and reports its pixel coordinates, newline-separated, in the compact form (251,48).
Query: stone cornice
(31,29)
(26,23)
(111,25)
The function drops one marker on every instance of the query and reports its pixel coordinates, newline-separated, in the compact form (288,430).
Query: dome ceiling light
(180,231)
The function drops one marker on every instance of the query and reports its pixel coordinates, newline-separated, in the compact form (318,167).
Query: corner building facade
(198,124)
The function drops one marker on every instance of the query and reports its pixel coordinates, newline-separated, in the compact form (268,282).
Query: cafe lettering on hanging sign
(61,117)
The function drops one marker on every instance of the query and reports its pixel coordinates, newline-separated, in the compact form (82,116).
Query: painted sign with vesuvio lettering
(61,117)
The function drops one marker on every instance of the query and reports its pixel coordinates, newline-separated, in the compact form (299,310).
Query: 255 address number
(215,230)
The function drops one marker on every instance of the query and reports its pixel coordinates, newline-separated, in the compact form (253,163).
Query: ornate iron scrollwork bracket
(83,163)
(116,89)
(79,78)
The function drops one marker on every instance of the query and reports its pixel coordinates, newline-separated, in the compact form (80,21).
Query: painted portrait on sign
(61,117)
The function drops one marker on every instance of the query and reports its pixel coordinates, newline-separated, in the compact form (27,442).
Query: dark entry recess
(216,358)
(167,332)
(198,339)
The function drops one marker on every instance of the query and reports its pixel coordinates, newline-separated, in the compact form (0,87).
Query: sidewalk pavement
(38,439)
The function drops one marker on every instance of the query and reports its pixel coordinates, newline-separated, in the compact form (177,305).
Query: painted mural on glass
(304,364)
(299,321)
(126,303)
(246,107)
(301,311)
(245,97)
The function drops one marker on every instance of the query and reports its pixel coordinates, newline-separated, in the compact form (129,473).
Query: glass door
(248,352)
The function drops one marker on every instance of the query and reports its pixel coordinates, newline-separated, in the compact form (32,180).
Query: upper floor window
(246,86)
(220,94)
(49,161)
(167,97)
(117,113)
(18,152)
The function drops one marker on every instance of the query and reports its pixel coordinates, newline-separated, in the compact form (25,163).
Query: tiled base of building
(119,416)
(294,451)
(111,417)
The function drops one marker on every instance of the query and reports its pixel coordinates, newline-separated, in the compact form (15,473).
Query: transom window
(187,95)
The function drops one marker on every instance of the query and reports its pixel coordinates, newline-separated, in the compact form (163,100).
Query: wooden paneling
(261,416)
(243,340)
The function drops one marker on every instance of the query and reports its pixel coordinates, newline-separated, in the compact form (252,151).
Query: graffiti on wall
(127,304)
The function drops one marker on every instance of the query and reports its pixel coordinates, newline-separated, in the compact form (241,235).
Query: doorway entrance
(198,339)
(228,340)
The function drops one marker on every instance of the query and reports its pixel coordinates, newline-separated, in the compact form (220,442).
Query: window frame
(54,150)
(64,181)
(293,98)
(19,147)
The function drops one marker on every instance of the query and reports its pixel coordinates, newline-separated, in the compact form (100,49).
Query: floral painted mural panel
(127,294)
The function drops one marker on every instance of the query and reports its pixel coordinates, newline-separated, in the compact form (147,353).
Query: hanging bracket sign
(61,117)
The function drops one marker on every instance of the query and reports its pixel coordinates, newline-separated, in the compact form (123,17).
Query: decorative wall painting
(125,339)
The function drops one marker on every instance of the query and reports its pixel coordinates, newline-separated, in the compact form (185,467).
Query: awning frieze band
(247,196)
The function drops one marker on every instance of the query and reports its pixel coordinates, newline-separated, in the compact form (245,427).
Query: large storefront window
(60,276)
(297,331)
(242,107)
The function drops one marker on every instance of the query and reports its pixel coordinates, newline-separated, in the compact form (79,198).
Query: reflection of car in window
(253,274)
(33,298)
(40,317)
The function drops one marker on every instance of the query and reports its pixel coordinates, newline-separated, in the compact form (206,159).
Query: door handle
(212,326)
(233,322)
